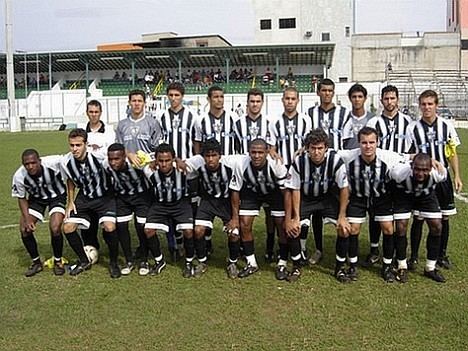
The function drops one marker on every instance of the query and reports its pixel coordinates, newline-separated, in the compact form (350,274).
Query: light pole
(25,62)
(13,118)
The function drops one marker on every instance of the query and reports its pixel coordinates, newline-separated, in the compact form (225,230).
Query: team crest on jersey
(356,128)
(325,123)
(175,122)
(261,178)
(431,136)
(316,177)
(134,130)
(290,129)
(366,174)
(218,128)
(253,131)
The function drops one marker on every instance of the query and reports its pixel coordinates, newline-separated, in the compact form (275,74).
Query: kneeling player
(37,185)
(415,190)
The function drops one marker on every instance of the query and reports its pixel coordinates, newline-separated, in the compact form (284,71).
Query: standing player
(437,137)
(83,170)
(38,184)
(132,200)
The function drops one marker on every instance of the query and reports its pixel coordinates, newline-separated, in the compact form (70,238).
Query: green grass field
(168,312)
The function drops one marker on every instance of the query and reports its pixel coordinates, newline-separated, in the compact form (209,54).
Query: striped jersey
(222,129)
(167,188)
(128,181)
(351,128)
(331,122)
(178,130)
(139,134)
(47,185)
(432,138)
(288,134)
(315,180)
(247,129)
(87,175)
(392,132)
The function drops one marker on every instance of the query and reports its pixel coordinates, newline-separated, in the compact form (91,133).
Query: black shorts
(210,208)
(379,208)
(326,208)
(444,192)
(250,203)
(423,206)
(37,207)
(162,215)
(127,205)
(104,207)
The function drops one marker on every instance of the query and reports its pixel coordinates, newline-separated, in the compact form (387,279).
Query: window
(347,31)
(285,23)
(265,24)
(201,44)
(343,79)
(464,44)
(325,36)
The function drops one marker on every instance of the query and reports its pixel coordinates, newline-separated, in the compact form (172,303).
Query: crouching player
(415,190)
(313,181)
(38,184)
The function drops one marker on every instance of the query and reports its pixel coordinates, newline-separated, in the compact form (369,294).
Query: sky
(60,25)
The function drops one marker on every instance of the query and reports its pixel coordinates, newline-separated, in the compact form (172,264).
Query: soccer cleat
(371,259)
(188,271)
(412,264)
(200,269)
(59,268)
(341,276)
(114,270)
(34,268)
(158,267)
(295,274)
(127,268)
(444,262)
(143,268)
(435,276)
(281,272)
(316,257)
(402,275)
(387,273)
(80,267)
(352,273)
(269,257)
(232,270)
(247,270)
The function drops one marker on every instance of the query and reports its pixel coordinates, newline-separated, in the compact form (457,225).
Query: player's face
(357,100)
(326,94)
(137,104)
(216,100)
(317,152)
(290,101)
(116,160)
(175,98)
(254,105)
(212,160)
(164,161)
(368,145)
(428,107)
(421,170)
(32,164)
(77,147)
(94,113)
(258,155)
(390,102)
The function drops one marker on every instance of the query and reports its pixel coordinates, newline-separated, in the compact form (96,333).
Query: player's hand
(458,184)
(343,225)
(70,208)
(276,156)
(30,224)
(232,226)
(292,227)
(134,159)
(181,165)
(439,167)
(94,146)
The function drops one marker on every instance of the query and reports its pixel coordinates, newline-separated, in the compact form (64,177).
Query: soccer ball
(92,253)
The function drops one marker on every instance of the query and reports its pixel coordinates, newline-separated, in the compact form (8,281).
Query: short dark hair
(429,93)
(367,131)
(357,88)
(421,157)
(316,136)
(258,141)
(116,147)
(94,103)
(29,152)
(164,148)
(78,133)
(254,91)
(293,89)
(214,88)
(211,145)
(137,92)
(325,81)
(389,89)
(176,86)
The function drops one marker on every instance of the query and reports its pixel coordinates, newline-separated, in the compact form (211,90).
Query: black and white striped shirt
(331,121)
(88,175)
(47,185)
(392,132)
(129,181)
(315,180)
(178,130)
(222,129)
(168,188)
(264,181)
(288,134)
(247,129)
(431,139)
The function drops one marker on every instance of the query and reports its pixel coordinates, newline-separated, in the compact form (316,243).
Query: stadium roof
(166,58)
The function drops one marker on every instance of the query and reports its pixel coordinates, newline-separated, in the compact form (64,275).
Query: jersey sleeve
(194,163)
(273,133)
(63,167)
(348,155)
(400,172)
(237,180)
(156,136)
(293,179)
(372,122)
(231,161)
(439,176)
(198,133)
(17,187)
(453,135)
(341,177)
(280,171)
(391,158)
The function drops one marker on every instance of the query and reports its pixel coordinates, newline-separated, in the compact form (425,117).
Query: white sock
(303,244)
(251,260)
(282,263)
(402,264)
(430,265)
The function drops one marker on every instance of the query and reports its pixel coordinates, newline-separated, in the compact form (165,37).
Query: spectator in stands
(116,76)
(233,75)
(124,76)
(290,75)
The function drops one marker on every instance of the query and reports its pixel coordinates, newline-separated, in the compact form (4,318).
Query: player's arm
(455,165)
(342,224)
(292,221)
(196,147)
(71,189)
(26,221)
(234,222)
